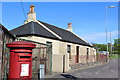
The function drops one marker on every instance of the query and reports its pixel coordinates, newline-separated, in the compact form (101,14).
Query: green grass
(114,56)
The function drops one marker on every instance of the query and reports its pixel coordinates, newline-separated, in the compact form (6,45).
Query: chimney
(31,15)
(32,8)
(69,27)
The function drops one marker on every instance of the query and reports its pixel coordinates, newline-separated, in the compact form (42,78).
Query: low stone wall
(82,59)
(60,63)
(92,58)
(72,60)
(102,58)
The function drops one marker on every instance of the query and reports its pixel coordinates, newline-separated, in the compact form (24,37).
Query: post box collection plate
(24,70)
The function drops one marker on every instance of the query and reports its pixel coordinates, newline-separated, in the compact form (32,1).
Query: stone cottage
(67,47)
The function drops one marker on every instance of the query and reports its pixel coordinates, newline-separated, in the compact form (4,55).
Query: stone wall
(5,37)
(1,47)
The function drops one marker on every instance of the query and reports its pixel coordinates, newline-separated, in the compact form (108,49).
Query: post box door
(24,60)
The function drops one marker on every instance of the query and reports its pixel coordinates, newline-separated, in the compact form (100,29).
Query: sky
(61,0)
(88,18)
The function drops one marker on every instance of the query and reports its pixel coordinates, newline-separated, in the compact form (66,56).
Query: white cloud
(100,37)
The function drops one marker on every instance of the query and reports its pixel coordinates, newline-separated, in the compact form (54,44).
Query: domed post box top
(21,44)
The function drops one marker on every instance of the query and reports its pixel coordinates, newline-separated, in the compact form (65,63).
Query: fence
(102,58)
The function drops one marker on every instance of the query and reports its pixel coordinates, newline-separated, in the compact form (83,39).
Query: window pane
(68,48)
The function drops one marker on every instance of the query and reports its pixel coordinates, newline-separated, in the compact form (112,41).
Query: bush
(116,52)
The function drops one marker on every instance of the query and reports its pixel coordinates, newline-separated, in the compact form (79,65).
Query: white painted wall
(59,48)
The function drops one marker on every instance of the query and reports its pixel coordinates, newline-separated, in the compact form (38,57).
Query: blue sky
(87,18)
(61,0)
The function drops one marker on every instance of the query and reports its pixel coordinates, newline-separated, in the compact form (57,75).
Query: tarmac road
(108,70)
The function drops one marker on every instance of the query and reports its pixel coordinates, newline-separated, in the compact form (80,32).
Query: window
(49,43)
(87,53)
(69,50)
(1,32)
(49,50)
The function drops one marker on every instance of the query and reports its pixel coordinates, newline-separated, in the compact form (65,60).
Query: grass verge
(114,56)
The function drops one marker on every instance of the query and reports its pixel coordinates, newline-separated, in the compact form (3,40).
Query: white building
(65,43)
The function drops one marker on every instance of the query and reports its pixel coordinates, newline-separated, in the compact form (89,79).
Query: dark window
(49,43)
(87,53)
(69,50)
(77,54)
(1,32)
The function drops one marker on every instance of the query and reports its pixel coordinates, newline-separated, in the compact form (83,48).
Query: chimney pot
(31,15)
(69,27)
(69,24)
(32,8)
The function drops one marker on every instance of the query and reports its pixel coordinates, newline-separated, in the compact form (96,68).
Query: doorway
(87,57)
(77,54)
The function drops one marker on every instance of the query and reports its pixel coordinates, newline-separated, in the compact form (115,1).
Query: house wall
(5,37)
(57,55)
(55,43)
(82,52)
(59,52)
(1,47)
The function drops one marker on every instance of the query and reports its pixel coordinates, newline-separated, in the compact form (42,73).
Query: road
(108,70)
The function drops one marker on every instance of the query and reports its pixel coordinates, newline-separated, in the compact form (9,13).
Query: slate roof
(33,28)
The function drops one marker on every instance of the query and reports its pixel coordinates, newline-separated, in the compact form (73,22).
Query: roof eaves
(70,32)
(81,38)
(38,35)
(53,38)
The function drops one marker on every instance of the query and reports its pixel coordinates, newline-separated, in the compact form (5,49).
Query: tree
(100,47)
(117,46)
(103,47)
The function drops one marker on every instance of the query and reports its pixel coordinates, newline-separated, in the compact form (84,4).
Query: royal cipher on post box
(20,59)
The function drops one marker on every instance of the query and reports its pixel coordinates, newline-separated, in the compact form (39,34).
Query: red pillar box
(20,59)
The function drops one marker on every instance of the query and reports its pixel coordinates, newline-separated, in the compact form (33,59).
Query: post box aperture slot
(24,58)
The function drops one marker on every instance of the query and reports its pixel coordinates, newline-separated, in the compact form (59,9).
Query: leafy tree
(103,47)
(100,47)
(117,46)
